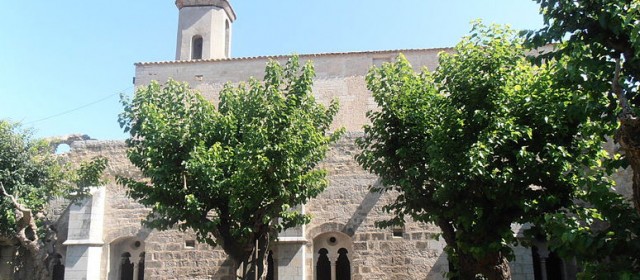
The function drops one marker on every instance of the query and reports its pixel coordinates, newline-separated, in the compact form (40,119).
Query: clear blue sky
(63,63)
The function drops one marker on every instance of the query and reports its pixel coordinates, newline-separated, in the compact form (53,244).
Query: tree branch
(24,221)
(623,102)
(14,200)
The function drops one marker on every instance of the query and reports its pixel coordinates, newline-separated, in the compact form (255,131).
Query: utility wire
(80,107)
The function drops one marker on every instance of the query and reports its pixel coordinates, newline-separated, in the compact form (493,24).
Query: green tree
(481,143)
(601,41)
(233,174)
(30,175)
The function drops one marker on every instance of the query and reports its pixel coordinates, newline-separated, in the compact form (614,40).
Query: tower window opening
(398,231)
(227,38)
(196,47)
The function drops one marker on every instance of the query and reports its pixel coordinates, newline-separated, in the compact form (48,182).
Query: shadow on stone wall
(225,271)
(369,201)
(439,268)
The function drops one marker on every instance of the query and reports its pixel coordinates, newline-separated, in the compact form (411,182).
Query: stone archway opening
(331,256)
(126,259)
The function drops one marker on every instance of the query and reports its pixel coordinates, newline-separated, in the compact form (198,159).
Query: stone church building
(102,238)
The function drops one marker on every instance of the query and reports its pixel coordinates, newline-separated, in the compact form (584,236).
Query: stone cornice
(83,242)
(224,4)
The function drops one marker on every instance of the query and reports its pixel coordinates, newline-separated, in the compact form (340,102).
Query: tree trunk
(493,266)
(628,136)
(252,264)
(32,258)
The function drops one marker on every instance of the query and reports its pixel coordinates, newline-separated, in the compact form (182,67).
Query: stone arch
(332,247)
(326,227)
(125,253)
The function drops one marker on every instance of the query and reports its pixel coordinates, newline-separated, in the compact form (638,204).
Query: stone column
(84,242)
(291,252)
(291,257)
(334,259)
(543,254)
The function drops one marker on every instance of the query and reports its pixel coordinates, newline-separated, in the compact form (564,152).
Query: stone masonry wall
(338,76)
(349,205)
(167,256)
(346,208)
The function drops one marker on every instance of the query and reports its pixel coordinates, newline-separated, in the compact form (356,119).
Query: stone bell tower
(204,29)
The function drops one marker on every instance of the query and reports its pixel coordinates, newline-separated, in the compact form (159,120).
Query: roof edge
(285,56)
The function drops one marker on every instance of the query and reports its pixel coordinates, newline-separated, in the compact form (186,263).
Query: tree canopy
(482,142)
(600,42)
(233,174)
(30,176)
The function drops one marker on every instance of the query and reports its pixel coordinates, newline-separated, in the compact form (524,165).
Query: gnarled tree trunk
(628,134)
(32,258)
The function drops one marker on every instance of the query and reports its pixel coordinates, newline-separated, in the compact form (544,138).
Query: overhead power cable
(79,107)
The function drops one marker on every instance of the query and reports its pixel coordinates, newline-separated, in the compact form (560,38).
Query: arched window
(127,259)
(141,266)
(343,266)
(548,267)
(196,47)
(331,258)
(227,38)
(126,267)
(323,267)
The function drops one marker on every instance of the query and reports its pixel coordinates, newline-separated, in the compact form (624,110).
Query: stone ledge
(87,242)
(292,239)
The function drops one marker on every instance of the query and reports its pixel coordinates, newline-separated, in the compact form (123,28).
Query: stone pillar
(543,254)
(291,252)
(333,260)
(84,241)
(290,256)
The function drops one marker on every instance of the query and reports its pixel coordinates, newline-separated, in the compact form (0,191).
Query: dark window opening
(141,266)
(343,266)
(227,38)
(196,47)
(58,268)
(270,267)
(126,267)
(551,267)
(398,231)
(323,267)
